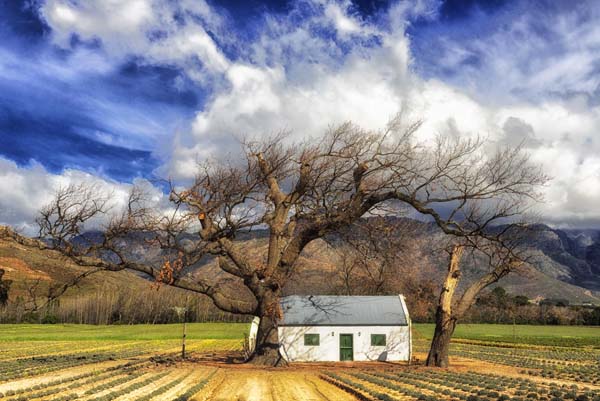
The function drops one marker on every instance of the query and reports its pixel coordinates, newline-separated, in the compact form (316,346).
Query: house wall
(253,333)
(397,346)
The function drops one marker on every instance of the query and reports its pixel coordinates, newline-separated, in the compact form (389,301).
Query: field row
(30,360)
(431,385)
(132,381)
(575,364)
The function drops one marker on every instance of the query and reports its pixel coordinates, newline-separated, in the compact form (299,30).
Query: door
(346,349)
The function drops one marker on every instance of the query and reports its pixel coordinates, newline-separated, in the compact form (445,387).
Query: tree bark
(440,345)
(445,321)
(266,351)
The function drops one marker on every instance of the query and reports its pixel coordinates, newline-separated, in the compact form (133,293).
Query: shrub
(50,319)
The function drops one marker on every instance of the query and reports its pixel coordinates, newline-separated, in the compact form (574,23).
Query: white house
(345,328)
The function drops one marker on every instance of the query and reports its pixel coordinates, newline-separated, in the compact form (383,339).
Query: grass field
(76,332)
(489,362)
(575,336)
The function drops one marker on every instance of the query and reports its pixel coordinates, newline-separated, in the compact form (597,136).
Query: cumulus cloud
(25,190)
(174,33)
(322,63)
(531,51)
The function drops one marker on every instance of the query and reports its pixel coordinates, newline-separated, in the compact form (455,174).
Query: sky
(123,92)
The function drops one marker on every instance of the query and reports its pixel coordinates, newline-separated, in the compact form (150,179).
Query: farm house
(345,328)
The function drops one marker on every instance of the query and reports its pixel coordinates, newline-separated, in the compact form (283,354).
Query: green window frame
(312,340)
(378,340)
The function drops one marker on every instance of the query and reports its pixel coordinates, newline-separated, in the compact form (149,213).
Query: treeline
(147,305)
(116,306)
(498,306)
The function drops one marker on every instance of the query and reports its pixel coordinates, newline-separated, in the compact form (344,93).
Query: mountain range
(565,265)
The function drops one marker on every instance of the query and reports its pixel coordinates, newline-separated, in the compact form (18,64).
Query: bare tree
(298,193)
(380,255)
(499,253)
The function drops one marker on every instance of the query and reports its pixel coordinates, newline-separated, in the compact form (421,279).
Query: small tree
(181,312)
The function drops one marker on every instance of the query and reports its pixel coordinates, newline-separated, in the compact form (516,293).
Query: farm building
(345,328)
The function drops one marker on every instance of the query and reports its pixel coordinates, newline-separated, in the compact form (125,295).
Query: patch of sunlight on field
(74,332)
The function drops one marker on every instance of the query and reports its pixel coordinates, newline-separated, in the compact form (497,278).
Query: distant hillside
(102,298)
(27,267)
(574,255)
(566,266)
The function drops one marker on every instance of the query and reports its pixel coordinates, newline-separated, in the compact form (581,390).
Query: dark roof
(324,310)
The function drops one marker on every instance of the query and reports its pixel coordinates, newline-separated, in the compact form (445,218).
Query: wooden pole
(183,340)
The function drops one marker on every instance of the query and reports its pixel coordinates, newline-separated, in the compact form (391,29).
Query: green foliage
(521,300)
(50,319)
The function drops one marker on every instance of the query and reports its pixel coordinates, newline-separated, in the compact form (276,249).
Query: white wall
(397,346)
(253,333)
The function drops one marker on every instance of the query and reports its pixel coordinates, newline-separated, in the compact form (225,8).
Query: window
(311,339)
(378,340)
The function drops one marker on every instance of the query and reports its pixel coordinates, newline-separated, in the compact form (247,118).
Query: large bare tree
(297,193)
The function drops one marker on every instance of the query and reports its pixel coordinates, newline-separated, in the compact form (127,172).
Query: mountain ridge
(566,263)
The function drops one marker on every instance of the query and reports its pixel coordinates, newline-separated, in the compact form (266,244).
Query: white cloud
(530,51)
(292,78)
(25,190)
(264,100)
(156,31)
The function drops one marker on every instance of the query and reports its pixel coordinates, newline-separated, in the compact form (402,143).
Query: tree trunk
(445,322)
(440,345)
(267,344)
(4,287)
(266,351)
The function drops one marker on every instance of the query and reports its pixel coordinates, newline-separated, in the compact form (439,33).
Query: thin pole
(183,339)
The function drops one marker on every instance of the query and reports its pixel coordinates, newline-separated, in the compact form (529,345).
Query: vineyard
(141,363)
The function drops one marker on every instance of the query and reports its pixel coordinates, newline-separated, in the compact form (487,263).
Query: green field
(523,334)
(74,332)
(566,336)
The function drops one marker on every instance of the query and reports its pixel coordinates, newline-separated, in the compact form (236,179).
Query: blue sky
(123,91)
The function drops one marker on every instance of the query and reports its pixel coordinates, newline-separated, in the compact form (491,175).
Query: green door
(346,351)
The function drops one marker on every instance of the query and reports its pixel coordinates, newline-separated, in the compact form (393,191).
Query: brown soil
(16,268)
(270,385)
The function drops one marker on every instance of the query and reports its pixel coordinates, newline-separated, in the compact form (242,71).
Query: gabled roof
(325,310)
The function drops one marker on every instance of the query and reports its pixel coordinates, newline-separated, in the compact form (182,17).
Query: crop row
(190,392)
(20,350)
(129,388)
(437,385)
(581,371)
(28,367)
(580,365)
(486,385)
(164,388)
(68,383)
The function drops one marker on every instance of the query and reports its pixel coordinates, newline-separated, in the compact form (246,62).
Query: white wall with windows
(322,343)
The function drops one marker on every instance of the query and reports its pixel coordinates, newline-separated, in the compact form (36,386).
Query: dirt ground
(270,385)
